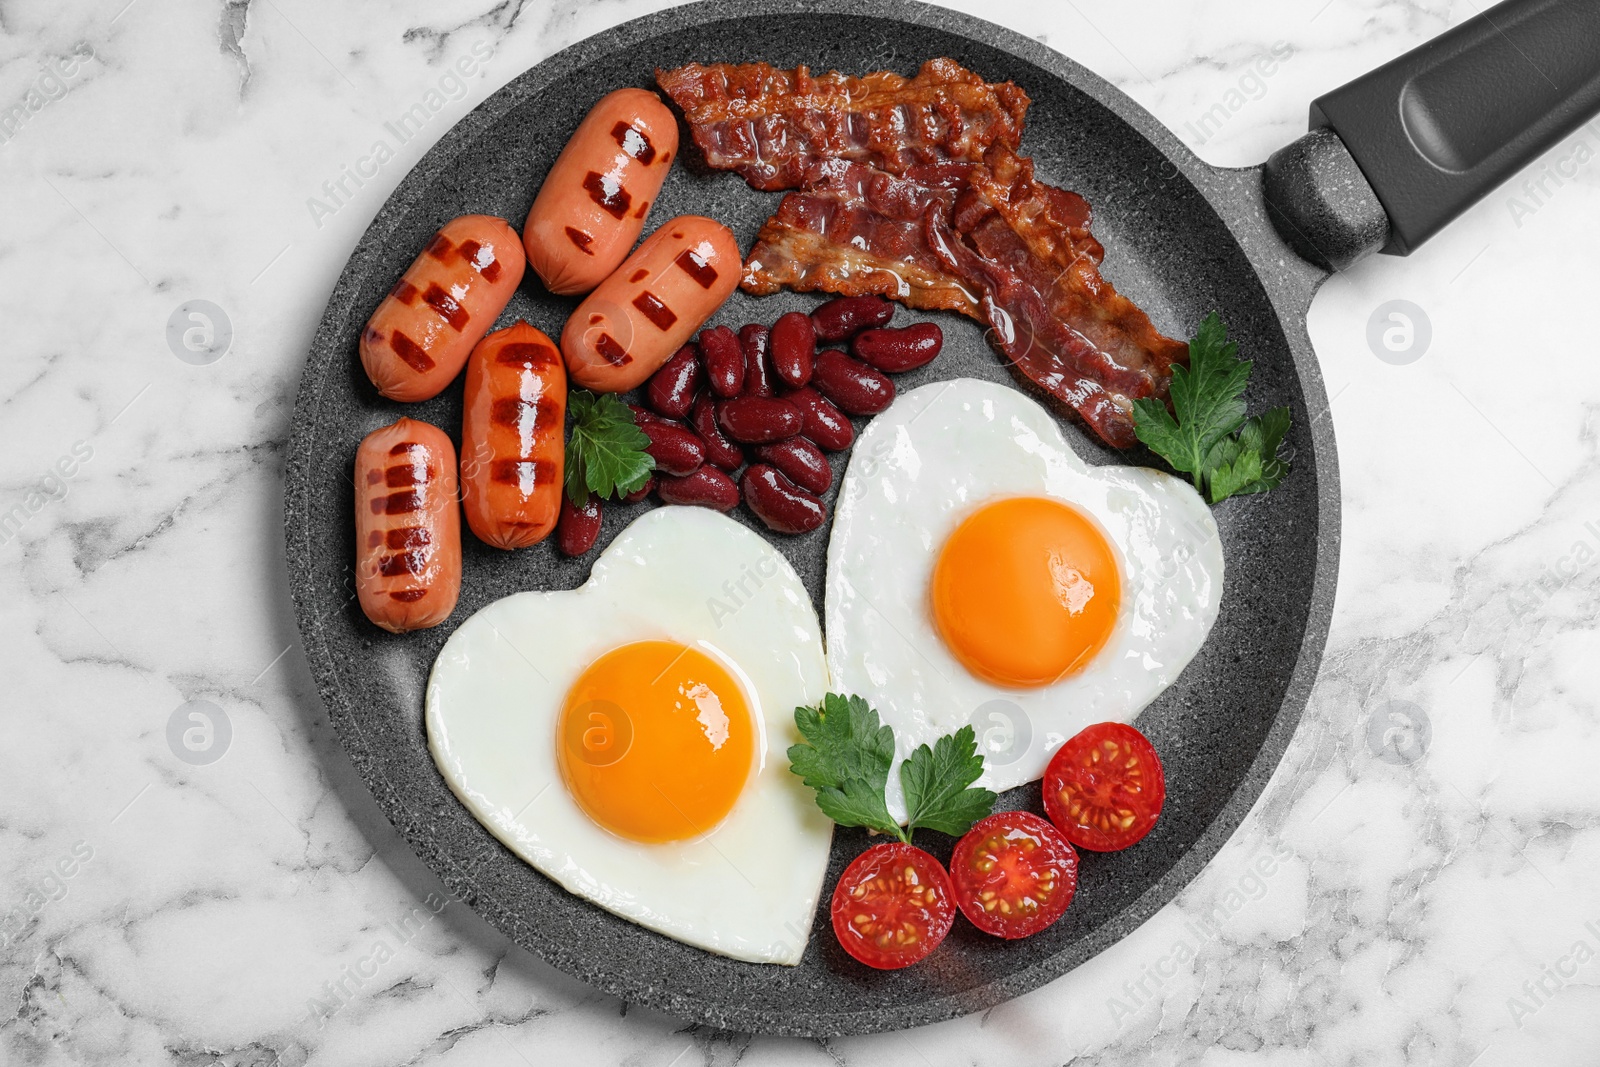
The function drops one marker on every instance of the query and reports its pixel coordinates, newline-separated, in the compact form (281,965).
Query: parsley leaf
(1265,434)
(1206,396)
(846,758)
(936,781)
(606,450)
(1231,476)
(1224,453)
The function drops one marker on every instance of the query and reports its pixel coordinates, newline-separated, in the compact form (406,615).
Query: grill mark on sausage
(526,474)
(638,276)
(527,355)
(404,291)
(371,336)
(634,142)
(446,306)
(608,193)
(411,353)
(406,475)
(581,239)
(405,448)
(440,247)
(408,596)
(402,503)
(405,538)
(612,352)
(512,412)
(690,263)
(481,259)
(405,563)
(644,206)
(655,310)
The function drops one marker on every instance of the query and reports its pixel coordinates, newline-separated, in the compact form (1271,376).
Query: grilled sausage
(419,338)
(593,203)
(512,416)
(408,528)
(626,329)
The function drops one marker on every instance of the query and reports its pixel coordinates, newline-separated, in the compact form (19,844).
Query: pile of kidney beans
(770,398)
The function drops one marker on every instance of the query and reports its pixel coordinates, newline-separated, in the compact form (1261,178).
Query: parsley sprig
(1211,440)
(606,450)
(846,757)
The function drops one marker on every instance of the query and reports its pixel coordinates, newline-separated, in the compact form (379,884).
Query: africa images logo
(42,891)
(342,188)
(55,82)
(1253,885)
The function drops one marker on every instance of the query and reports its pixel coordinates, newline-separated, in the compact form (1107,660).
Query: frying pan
(1391,158)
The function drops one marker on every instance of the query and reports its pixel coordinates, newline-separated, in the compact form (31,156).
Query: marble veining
(1416,885)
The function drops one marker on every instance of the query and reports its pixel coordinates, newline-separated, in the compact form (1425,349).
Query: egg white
(920,468)
(748,888)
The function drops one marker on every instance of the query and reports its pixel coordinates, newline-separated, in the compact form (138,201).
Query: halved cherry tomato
(1104,787)
(1014,874)
(892,906)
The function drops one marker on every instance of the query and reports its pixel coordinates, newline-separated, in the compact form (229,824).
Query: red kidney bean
(724,360)
(759,420)
(851,384)
(794,348)
(675,448)
(671,389)
(824,423)
(706,488)
(849,315)
(641,492)
(720,451)
(897,350)
(801,462)
(757,377)
(577,528)
(779,503)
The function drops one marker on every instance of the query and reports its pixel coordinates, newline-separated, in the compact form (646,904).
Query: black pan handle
(1440,128)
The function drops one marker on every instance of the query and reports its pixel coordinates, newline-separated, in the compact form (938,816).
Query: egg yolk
(1025,591)
(655,741)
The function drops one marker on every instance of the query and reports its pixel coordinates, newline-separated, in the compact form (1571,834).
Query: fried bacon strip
(1064,328)
(856,230)
(992,242)
(772,125)
(913,190)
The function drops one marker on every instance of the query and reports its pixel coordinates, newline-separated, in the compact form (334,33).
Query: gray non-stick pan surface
(1182,239)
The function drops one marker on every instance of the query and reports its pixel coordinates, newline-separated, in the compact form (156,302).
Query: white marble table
(1437,906)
